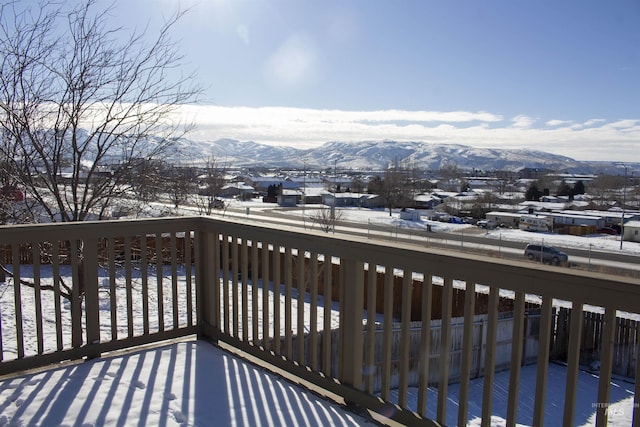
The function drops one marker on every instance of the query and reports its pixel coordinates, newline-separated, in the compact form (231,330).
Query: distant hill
(378,155)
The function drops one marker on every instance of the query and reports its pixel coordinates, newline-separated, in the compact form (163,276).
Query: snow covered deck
(194,383)
(187,383)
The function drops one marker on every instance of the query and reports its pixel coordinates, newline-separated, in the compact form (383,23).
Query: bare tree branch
(79,107)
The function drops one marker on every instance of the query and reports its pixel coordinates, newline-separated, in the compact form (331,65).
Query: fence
(374,372)
(625,341)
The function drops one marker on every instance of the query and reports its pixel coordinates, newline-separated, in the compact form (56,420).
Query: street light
(624,202)
(304,195)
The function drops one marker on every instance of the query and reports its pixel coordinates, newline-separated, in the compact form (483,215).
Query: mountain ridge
(379,155)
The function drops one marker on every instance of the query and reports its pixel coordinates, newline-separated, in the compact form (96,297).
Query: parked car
(546,254)
(487,223)
(608,230)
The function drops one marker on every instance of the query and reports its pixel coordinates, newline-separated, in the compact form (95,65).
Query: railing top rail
(94,229)
(567,284)
(558,282)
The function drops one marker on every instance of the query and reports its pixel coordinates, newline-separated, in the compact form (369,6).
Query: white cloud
(521,121)
(592,122)
(306,128)
(558,122)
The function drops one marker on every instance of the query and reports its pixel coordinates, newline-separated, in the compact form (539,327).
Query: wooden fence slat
(288,285)
(371,327)
(517,345)
(636,394)
(55,253)
(277,282)
(425,343)
(174,281)
(490,356)
(445,344)
(35,251)
(159,282)
(405,319)
(266,309)
(606,362)
(128,278)
(300,290)
(244,288)
(113,301)
(144,272)
(17,301)
(254,277)
(573,364)
(326,301)
(226,262)
(235,292)
(76,306)
(188,266)
(386,337)
(467,352)
(313,312)
(543,361)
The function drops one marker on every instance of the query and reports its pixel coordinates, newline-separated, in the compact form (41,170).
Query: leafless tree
(177,184)
(605,189)
(326,219)
(81,102)
(451,175)
(211,182)
(357,184)
(394,188)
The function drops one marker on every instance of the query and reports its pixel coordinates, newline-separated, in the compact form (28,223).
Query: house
(410,214)
(426,201)
(565,219)
(508,219)
(289,198)
(237,189)
(262,183)
(631,231)
(352,200)
(536,222)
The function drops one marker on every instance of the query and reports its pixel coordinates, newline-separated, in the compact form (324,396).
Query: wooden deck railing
(354,317)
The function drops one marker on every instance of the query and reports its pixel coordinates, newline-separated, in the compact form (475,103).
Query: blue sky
(559,76)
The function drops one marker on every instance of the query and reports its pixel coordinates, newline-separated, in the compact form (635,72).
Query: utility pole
(304,195)
(624,202)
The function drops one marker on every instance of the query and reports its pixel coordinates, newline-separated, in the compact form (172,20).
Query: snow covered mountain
(378,155)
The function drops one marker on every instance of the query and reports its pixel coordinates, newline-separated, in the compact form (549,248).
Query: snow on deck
(190,383)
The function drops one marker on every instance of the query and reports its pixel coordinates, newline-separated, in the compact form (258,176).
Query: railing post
(205,284)
(351,323)
(92,306)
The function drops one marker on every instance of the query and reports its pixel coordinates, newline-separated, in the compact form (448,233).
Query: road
(467,240)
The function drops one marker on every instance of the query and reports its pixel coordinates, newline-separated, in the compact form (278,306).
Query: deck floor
(186,383)
(194,383)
